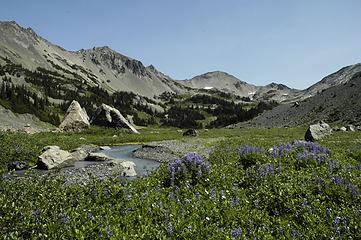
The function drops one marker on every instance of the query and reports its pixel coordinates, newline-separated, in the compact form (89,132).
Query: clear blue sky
(286,41)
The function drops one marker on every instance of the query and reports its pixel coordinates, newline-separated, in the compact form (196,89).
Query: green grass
(298,191)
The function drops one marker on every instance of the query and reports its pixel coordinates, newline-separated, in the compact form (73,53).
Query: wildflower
(198,196)
(328,212)
(170,230)
(65,219)
(36,215)
(109,231)
(236,233)
(189,228)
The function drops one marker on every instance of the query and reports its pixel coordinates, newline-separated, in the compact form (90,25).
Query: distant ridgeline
(47,94)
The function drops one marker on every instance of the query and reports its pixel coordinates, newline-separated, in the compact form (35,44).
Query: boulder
(318,131)
(76,118)
(350,128)
(191,133)
(127,167)
(17,165)
(82,152)
(110,117)
(342,129)
(105,148)
(53,157)
(97,157)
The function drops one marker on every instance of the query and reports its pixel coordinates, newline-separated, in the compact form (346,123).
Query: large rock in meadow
(191,133)
(17,165)
(111,117)
(76,118)
(318,131)
(99,157)
(53,157)
(125,168)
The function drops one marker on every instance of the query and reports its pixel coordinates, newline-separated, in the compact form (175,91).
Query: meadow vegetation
(255,184)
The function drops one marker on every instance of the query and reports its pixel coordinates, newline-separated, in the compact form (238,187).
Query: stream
(121,153)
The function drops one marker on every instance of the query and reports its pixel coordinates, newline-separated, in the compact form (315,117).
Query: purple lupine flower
(198,196)
(256,203)
(328,212)
(189,228)
(109,231)
(36,215)
(236,233)
(213,194)
(170,229)
(65,218)
(264,228)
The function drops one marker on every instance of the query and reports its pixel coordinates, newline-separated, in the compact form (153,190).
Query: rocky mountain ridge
(230,84)
(100,66)
(339,104)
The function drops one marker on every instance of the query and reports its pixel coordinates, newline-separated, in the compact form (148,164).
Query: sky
(292,42)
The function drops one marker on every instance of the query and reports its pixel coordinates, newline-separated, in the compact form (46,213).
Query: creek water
(121,153)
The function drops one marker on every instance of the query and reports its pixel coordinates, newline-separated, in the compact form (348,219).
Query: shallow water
(123,152)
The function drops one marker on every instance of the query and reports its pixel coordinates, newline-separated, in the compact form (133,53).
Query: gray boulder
(101,157)
(350,128)
(53,157)
(342,129)
(76,118)
(191,133)
(318,131)
(17,165)
(111,117)
(126,167)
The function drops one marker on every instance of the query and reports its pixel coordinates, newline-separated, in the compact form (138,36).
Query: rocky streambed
(126,161)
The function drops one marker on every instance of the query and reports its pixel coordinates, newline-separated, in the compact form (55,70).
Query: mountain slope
(337,78)
(230,84)
(98,66)
(337,104)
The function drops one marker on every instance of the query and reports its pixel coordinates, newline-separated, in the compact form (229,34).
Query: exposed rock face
(97,157)
(318,131)
(191,132)
(53,157)
(342,129)
(350,128)
(110,117)
(17,165)
(76,118)
(126,166)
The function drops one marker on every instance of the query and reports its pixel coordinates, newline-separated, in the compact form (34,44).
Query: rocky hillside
(230,84)
(98,66)
(338,104)
(340,77)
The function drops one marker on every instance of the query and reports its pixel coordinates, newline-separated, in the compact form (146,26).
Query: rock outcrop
(127,167)
(318,131)
(76,118)
(53,157)
(99,157)
(111,117)
(17,165)
(191,133)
